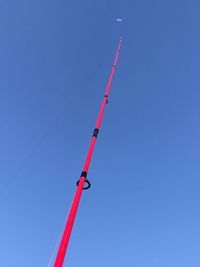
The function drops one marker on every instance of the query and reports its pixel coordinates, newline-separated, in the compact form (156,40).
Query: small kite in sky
(119,20)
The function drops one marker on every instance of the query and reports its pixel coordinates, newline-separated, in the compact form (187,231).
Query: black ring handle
(87,182)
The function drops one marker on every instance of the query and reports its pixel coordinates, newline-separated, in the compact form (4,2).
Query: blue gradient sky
(55,59)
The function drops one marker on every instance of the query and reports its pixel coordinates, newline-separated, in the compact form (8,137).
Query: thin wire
(53,254)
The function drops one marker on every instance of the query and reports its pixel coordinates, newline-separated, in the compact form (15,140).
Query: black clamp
(106,98)
(96,131)
(87,182)
(84,174)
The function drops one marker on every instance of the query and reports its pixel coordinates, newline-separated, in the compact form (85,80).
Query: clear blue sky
(55,59)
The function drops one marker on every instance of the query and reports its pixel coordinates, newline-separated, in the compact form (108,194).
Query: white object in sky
(119,19)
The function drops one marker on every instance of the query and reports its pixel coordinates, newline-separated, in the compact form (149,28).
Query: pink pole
(70,221)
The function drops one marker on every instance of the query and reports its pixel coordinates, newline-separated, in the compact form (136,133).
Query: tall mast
(83,183)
